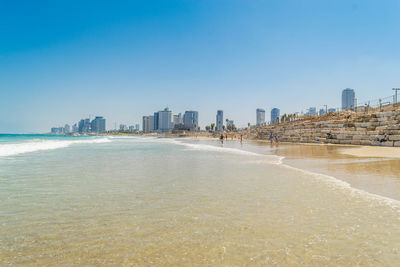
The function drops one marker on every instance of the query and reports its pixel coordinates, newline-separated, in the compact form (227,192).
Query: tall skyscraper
(137,127)
(145,124)
(275,112)
(156,121)
(260,116)
(348,99)
(151,123)
(84,126)
(219,120)
(191,120)
(98,125)
(165,120)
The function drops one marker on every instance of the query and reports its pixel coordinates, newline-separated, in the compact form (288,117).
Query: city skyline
(131,58)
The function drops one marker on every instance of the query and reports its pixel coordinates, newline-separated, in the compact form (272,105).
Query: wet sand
(372,151)
(372,169)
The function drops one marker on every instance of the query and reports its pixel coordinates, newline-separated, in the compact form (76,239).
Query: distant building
(165,120)
(322,112)
(57,130)
(123,127)
(178,119)
(348,99)
(331,110)
(230,123)
(145,124)
(151,123)
(191,120)
(312,111)
(260,114)
(84,126)
(75,128)
(132,128)
(67,128)
(275,113)
(98,125)
(156,121)
(219,120)
(137,127)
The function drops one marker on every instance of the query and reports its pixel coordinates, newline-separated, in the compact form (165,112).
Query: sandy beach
(372,151)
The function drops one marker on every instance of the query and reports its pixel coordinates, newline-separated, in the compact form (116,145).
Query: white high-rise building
(165,120)
(178,119)
(260,116)
(145,124)
(219,120)
(348,98)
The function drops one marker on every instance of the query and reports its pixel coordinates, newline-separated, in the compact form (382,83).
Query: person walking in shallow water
(277,138)
(241,138)
(221,138)
(271,138)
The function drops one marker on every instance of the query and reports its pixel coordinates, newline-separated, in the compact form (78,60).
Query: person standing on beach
(221,138)
(277,138)
(241,138)
(271,138)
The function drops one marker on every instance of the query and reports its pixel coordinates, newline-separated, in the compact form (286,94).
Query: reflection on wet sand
(373,174)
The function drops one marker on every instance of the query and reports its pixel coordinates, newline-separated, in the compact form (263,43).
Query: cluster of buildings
(349,102)
(131,128)
(84,126)
(164,121)
(219,122)
(260,116)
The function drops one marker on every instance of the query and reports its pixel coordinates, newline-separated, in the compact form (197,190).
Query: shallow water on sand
(138,201)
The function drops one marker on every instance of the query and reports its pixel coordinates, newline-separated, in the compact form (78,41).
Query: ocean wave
(40,144)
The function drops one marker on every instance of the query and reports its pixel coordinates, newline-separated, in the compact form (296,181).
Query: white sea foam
(273,159)
(40,144)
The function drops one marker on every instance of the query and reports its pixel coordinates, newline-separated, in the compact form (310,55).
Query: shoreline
(362,151)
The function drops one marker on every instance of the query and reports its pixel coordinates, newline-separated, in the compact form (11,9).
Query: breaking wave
(40,144)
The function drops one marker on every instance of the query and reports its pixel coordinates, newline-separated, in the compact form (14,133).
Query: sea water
(151,201)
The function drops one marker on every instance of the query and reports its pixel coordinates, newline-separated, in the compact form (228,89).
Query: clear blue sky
(63,60)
